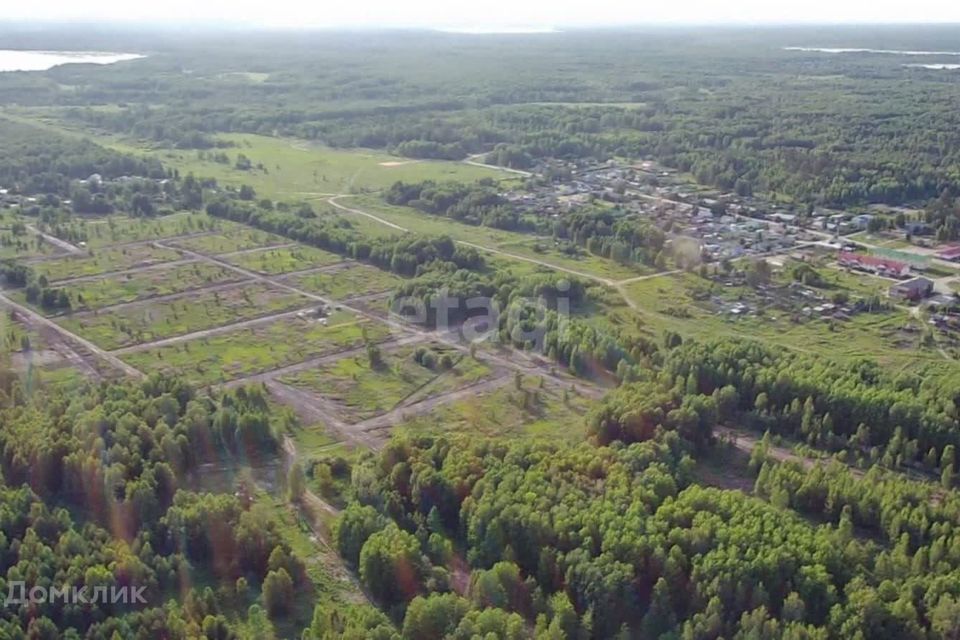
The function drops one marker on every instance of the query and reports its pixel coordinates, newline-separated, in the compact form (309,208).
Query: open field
(118,229)
(161,280)
(531,411)
(135,324)
(233,237)
(292,168)
(283,259)
(692,306)
(104,260)
(250,350)
(361,389)
(354,279)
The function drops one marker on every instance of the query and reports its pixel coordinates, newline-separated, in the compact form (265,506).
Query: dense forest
(733,108)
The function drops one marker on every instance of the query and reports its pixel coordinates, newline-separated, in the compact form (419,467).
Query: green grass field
(354,279)
(104,261)
(118,229)
(250,350)
(115,328)
(283,259)
(232,238)
(363,390)
(299,168)
(110,290)
(687,304)
(530,412)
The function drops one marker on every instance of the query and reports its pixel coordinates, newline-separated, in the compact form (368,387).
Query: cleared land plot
(149,321)
(104,261)
(530,411)
(234,238)
(252,350)
(283,260)
(111,290)
(511,242)
(25,245)
(692,306)
(111,230)
(362,390)
(352,280)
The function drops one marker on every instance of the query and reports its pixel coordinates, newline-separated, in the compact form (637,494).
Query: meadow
(363,389)
(233,237)
(135,324)
(283,259)
(354,279)
(104,260)
(291,168)
(226,356)
(532,411)
(97,293)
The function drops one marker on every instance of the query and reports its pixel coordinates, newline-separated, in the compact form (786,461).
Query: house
(862,221)
(873,264)
(913,289)
(951,252)
(918,228)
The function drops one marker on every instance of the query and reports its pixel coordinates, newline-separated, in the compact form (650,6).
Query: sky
(492,15)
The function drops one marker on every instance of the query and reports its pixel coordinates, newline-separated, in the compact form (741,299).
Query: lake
(17,60)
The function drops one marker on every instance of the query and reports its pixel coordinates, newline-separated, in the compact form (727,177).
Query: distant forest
(733,108)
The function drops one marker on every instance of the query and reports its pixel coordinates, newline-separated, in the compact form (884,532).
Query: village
(726,227)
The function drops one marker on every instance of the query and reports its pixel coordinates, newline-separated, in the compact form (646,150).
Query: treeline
(405,255)
(896,419)
(34,161)
(539,312)
(603,231)
(478,203)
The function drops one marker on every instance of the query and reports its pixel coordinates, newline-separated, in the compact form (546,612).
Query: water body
(898,52)
(17,60)
(939,67)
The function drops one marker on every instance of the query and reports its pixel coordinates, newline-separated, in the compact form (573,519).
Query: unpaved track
(473,162)
(55,241)
(72,337)
(265,248)
(333,201)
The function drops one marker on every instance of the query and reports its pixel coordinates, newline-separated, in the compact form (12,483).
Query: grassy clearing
(695,307)
(355,279)
(302,168)
(22,245)
(104,261)
(530,412)
(254,349)
(232,238)
(111,290)
(149,321)
(284,260)
(521,244)
(101,232)
(363,390)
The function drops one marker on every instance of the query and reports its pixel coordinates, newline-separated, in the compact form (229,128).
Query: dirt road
(71,337)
